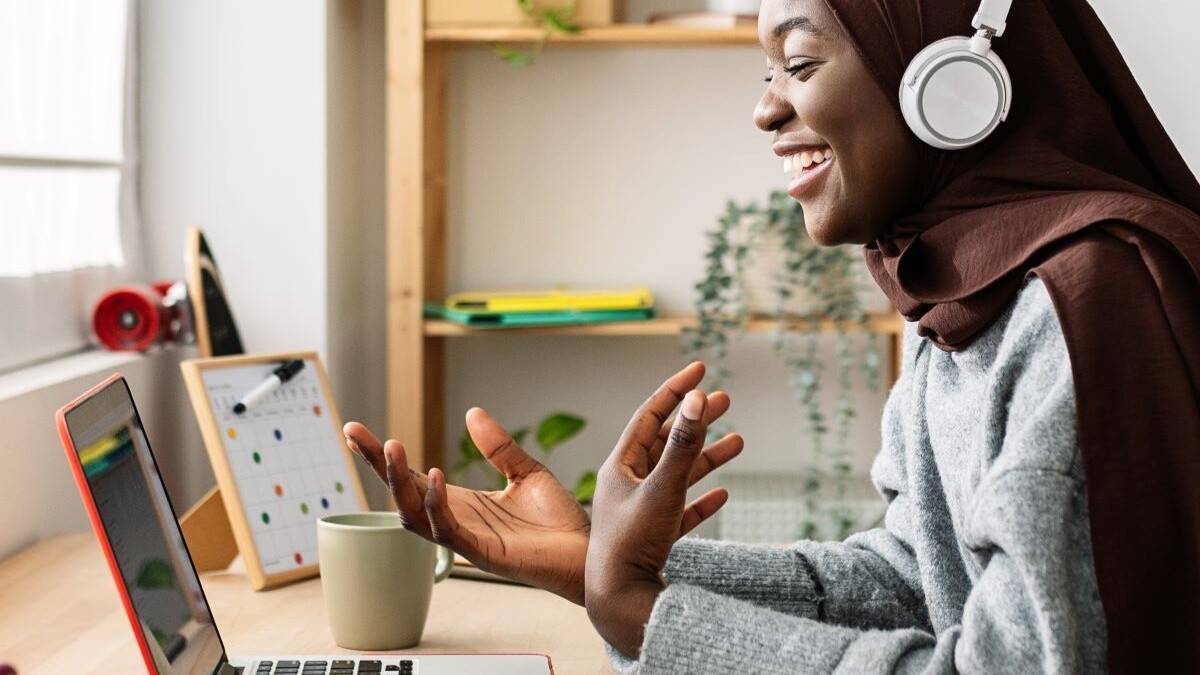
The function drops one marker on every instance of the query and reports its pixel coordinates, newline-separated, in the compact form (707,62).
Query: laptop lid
(131,513)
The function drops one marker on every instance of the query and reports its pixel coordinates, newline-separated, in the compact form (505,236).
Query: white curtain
(68,226)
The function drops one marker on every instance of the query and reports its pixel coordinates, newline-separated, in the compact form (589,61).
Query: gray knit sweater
(983,565)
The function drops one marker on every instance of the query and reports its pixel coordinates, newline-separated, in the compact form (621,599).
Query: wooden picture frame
(208,385)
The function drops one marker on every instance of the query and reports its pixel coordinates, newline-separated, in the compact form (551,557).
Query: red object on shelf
(131,318)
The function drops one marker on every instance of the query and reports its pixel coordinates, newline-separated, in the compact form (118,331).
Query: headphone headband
(991,16)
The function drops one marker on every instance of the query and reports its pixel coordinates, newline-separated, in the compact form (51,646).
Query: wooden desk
(60,613)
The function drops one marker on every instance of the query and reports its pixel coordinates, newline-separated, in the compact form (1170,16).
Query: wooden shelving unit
(634,35)
(664,325)
(416,211)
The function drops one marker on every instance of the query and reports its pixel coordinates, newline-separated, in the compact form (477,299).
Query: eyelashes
(794,70)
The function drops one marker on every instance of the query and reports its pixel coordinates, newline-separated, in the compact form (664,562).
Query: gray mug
(377,579)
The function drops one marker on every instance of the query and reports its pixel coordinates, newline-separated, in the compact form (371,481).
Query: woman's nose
(772,111)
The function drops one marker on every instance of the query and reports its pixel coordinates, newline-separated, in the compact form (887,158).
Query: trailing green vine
(813,284)
(550,19)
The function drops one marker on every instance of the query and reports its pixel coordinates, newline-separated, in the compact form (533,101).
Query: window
(68,221)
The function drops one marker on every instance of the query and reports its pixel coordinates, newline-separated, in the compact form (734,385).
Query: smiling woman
(1038,453)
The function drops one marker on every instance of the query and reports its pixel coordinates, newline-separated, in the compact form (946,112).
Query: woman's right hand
(533,531)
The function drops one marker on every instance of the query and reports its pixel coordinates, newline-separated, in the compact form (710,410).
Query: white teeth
(803,160)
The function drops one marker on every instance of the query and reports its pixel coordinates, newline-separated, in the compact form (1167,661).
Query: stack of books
(558,307)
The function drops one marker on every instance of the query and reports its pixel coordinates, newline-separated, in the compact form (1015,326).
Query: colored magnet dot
(317,410)
(257,458)
(299,559)
(338,485)
(324,502)
(232,433)
(304,508)
(266,519)
(278,490)
(278,435)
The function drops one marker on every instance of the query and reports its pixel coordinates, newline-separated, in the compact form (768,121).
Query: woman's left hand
(640,510)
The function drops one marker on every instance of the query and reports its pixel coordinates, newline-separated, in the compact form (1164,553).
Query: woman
(1041,450)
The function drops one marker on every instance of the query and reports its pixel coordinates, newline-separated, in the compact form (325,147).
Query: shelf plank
(886,323)
(619,34)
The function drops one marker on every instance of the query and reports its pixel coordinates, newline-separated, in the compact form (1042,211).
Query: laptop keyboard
(402,667)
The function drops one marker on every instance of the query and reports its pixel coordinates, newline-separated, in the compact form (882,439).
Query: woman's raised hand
(641,507)
(533,531)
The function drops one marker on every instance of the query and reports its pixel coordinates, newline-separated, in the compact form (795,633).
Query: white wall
(234,141)
(258,126)
(1157,39)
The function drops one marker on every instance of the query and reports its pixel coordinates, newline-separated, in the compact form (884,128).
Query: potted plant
(552,431)
(557,16)
(760,263)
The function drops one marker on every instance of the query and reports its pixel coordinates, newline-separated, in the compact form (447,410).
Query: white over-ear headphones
(956,91)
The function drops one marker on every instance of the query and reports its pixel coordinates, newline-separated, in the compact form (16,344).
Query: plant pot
(748,7)
(767,260)
(440,13)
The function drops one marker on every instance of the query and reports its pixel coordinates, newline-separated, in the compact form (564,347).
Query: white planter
(766,260)
(734,6)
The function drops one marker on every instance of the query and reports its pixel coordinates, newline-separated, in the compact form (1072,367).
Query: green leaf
(513,57)
(519,435)
(585,489)
(556,20)
(468,454)
(558,428)
(156,574)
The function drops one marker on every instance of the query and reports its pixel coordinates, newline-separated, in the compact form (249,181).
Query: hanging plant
(550,19)
(807,284)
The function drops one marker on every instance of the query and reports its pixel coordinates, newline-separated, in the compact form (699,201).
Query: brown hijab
(1081,187)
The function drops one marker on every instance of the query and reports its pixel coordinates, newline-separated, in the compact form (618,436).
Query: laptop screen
(146,541)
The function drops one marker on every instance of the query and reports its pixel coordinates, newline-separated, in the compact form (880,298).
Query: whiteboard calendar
(281,465)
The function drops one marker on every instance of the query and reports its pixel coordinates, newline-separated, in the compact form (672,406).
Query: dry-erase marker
(274,381)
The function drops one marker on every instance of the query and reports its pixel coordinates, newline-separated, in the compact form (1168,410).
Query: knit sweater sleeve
(1033,605)
(809,578)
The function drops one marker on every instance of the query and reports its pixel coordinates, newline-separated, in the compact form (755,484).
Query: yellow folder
(555,300)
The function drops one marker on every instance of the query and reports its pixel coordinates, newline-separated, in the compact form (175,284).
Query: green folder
(486,319)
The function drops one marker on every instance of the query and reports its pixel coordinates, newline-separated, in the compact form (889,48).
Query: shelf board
(617,34)
(884,323)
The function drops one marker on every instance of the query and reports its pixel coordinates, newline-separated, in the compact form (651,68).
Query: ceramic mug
(377,579)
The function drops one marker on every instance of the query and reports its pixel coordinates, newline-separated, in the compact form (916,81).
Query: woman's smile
(807,170)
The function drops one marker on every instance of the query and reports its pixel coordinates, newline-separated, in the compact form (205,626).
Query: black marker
(274,381)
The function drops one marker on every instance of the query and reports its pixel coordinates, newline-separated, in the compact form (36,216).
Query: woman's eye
(794,69)
(800,67)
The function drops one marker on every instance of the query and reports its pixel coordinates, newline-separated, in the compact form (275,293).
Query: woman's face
(821,101)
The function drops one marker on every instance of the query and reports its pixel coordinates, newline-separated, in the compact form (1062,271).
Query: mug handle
(445,564)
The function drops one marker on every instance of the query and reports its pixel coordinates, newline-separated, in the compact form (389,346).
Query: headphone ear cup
(953,98)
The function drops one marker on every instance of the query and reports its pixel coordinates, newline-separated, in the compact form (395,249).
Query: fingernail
(352,445)
(693,405)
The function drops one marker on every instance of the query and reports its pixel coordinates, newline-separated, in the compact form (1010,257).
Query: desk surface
(59,613)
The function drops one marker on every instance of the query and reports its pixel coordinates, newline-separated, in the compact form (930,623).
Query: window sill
(58,371)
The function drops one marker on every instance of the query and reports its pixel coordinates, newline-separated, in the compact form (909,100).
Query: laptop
(131,513)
